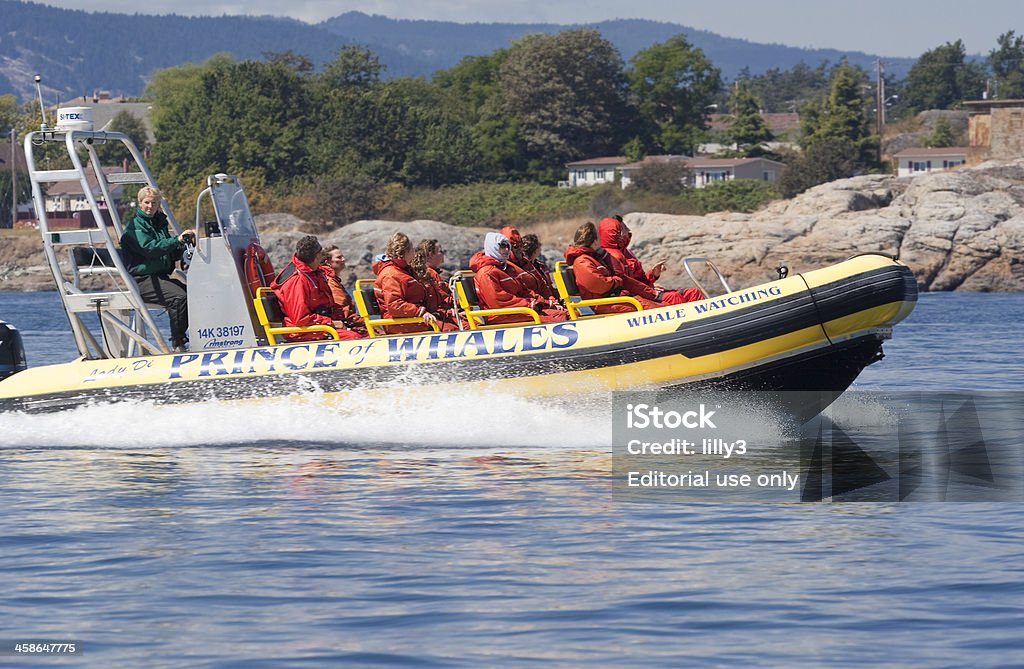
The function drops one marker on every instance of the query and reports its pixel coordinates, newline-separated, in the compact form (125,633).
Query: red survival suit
(533,276)
(401,294)
(615,238)
(498,287)
(305,300)
(600,275)
(346,311)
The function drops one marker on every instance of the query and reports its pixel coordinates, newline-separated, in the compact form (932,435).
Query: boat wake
(400,421)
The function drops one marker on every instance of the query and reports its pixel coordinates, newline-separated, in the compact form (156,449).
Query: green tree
(24,194)
(566,96)
(826,160)
(747,128)
(9,112)
(842,117)
(664,177)
(422,135)
(248,117)
(129,124)
(473,86)
(1007,63)
(344,112)
(673,84)
(941,78)
(942,134)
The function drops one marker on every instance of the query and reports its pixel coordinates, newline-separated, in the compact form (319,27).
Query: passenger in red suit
(332,264)
(519,262)
(304,295)
(498,286)
(430,255)
(404,291)
(615,237)
(598,274)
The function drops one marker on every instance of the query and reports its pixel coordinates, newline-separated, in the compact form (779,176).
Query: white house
(67,196)
(593,171)
(918,160)
(704,171)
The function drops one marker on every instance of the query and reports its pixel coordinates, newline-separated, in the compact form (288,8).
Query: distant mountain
(79,52)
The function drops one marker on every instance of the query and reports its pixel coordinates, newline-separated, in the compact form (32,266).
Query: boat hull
(812,331)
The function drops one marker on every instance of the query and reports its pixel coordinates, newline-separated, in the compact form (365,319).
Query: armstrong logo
(476,343)
(733,299)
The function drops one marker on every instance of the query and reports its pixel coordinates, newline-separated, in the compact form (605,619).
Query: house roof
(597,162)
(922,152)
(698,163)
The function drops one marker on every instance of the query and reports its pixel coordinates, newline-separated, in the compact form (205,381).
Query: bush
(665,178)
(337,201)
(745,195)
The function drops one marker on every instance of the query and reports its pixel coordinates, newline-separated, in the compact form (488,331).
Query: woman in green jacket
(150,251)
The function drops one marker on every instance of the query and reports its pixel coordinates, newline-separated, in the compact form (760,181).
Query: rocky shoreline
(957,230)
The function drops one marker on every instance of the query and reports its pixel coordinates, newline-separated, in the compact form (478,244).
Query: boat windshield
(233,209)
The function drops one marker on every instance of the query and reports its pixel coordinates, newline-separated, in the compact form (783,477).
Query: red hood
(379,265)
(301,266)
(612,234)
(574,252)
(328,271)
(481,260)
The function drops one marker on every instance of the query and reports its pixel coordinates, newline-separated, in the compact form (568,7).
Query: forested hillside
(78,52)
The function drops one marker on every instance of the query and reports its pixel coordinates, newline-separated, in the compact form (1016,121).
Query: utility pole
(880,98)
(14,182)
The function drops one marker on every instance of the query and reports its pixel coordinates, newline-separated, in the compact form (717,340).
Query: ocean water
(481,532)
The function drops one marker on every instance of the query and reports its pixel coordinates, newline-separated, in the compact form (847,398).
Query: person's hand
(657,270)
(429,317)
(187,237)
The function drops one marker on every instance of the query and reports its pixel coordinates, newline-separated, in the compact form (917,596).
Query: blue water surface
(481,532)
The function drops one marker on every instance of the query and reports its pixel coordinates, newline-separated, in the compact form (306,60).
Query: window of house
(918,166)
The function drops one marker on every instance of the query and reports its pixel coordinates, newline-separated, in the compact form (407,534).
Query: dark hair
(530,244)
(325,259)
(307,249)
(585,235)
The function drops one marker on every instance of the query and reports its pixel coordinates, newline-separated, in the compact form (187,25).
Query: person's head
(497,246)
(149,200)
(433,252)
(586,235)
(531,246)
(612,232)
(333,258)
(514,238)
(308,250)
(399,246)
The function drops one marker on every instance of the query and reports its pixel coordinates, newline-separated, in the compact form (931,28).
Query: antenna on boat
(42,109)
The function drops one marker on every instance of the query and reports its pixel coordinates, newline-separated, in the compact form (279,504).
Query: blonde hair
(398,245)
(149,191)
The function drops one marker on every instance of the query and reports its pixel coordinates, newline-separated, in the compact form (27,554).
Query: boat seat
(469,302)
(89,260)
(268,309)
(369,308)
(565,281)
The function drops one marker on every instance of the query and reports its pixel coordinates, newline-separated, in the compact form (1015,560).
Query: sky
(904,28)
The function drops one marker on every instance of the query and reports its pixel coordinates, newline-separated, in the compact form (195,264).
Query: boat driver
(150,251)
